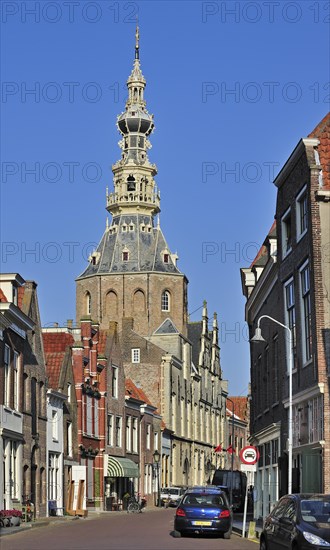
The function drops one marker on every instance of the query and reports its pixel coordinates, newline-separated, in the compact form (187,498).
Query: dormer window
(125,256)
(124,228)
(166,258)
(131,227)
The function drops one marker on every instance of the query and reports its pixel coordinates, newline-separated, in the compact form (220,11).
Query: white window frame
(315,419)
(55,424)
(156,441)
(69,437)
(128,433)
(305,297)
(114,382)
(166,301)
(6,400)
(88,303)
(118,431)
(96,418)
(302,213)
(135,429)
(284,231)
(69,388)
(89,415)
(290,320)
(135,355)
(148,436)
(16,380)
(110,430)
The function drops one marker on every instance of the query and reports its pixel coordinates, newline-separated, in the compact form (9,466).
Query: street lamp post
(156,457)
(258,338)
(232,451)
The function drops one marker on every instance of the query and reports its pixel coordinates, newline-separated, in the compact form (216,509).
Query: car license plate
(201,522)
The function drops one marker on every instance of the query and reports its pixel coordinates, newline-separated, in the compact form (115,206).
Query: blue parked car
(204,510)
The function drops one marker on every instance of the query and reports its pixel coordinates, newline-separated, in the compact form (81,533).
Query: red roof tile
(56,341)
(54,363)
(3,298)
(240,407)
(263,250)
(137,393)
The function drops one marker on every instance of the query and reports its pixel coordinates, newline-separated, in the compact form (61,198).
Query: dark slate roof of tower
(167,328)
(146,248)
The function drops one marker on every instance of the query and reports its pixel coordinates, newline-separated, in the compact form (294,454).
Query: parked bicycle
(136,506)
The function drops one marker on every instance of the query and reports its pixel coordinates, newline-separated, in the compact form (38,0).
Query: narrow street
(150,530)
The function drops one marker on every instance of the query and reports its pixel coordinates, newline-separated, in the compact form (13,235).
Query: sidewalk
(40,522)
(238,525)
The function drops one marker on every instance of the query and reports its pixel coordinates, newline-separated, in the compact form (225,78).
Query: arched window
(111,304)
(166,301)
(139,301)
(88,303)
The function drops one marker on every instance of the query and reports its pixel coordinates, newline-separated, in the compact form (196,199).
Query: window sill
(286,253)
(307,363)
(299,237)
(275,404)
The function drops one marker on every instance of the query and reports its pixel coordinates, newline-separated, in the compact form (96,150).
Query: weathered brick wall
(123,288)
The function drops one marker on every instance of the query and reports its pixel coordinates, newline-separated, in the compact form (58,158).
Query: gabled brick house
(289,281)
(61,383)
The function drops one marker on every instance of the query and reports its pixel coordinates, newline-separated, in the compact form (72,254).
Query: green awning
(122,467)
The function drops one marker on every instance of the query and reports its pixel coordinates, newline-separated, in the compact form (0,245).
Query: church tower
(132,272)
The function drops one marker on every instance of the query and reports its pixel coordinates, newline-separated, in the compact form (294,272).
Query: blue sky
(233,87)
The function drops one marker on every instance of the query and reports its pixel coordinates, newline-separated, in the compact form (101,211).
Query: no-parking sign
(249,455)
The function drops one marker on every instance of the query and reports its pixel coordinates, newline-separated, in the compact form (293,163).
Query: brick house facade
(22,396)
(289,281)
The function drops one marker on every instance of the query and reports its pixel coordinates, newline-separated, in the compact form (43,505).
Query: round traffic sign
(249,455)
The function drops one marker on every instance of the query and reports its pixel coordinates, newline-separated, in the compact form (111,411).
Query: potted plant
(15,519)
(5,518)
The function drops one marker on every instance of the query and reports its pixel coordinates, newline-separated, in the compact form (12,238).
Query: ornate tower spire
(134,187)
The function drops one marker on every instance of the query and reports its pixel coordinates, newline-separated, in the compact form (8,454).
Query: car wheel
(227,534)
(263,544)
